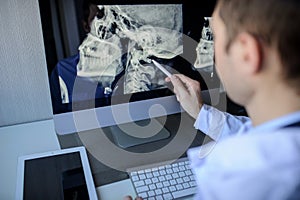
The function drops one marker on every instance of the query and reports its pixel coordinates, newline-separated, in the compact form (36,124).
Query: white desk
(39,137)
(115,191)
(20,140)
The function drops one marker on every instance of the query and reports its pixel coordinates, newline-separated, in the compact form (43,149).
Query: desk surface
(105,175)
(39,137)
(21,140)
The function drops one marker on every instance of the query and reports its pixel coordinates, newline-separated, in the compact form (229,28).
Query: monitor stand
(124,134)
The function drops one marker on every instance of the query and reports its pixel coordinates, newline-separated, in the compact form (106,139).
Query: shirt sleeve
(248,167)
(218,124)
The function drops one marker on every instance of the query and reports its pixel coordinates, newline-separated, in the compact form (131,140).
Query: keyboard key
(175,175)
(179,187)
(179,180)
(156,174)
(159,197)
(148,181)
(142,189)
(176,169)
(193,184)
(149,175)
(188,172)
(143,195)
(168,177)
(135,178)
(139,183)
(186,185)
(173,182)
(158,191)
(142,176)
(192,178)
(151,193)
(186,179)
(155,180)
(166,183)
(152,187)
(167,196)
(161,178)
(162,172)
(133,173)
(159,185)
(183,193)
(182,174)
(172,188)
(165,190)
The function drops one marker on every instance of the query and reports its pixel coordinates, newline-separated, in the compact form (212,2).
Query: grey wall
(24,87)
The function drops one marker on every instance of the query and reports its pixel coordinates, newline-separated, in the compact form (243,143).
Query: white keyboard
(171,181)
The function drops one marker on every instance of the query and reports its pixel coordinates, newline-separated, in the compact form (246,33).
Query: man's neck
(270,104)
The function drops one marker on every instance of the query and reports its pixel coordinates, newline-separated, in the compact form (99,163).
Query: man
(257,58)
(257,48)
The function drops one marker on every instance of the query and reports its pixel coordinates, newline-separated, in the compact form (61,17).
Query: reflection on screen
(55,177)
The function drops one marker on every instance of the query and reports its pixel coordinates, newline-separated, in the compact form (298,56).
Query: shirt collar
(277,123)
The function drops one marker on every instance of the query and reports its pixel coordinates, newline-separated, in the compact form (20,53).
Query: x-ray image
(126,38)
(205,48)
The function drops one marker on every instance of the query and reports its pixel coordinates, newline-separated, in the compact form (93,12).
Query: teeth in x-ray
(99,57)
(101,51)
(205,48)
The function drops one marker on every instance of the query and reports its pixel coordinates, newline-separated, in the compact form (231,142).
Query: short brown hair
(275,22)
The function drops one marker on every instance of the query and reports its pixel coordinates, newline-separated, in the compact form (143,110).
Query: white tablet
(62,174)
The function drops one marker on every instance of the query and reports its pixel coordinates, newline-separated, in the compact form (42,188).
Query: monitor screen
(99,58)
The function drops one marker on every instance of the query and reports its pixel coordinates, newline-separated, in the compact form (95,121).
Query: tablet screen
(62,174)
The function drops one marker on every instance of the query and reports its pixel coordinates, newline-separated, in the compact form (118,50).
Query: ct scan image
(127,37)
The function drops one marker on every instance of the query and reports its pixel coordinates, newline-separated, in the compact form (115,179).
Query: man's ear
(251,52)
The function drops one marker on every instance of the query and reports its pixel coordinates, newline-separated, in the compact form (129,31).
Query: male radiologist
(257,48)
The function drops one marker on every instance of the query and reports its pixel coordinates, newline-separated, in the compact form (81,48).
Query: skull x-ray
(125,38)
(205,48)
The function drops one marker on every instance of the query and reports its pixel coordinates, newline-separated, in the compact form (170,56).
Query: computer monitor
(115,82)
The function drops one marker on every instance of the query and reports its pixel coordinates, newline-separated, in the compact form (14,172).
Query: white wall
(24,87)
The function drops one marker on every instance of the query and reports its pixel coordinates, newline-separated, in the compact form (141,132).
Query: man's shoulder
(258,149)
(69,61)
(261,165)
(68,65)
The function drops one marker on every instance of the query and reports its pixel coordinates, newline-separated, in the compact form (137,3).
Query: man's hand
(188,93)
(130,198)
